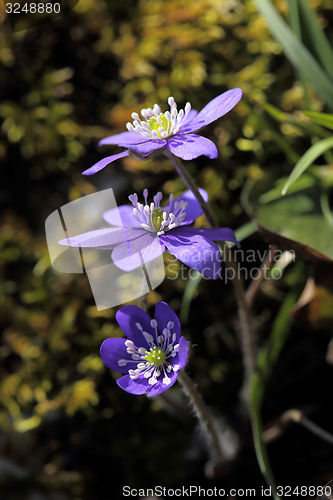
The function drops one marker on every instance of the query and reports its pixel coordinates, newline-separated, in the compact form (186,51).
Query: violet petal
(192,114)
(133,254)
(103,163)
(128,317)
(219,234)
(191,146)
(193,209)
(164,314)
(102,238)
(216,108)
(147,147)
(194,250)
(123,138)
(182,356)
(113,350)
(121,216)
(159,387)
(137,387)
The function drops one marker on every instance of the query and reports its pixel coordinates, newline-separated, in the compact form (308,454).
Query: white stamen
(169,123)
(148,337)
(161,221)
(133,374)
(166,381)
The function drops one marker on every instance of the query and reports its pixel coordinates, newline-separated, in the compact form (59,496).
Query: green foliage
(297,52)
(307,160)
(295,222)
(72,82)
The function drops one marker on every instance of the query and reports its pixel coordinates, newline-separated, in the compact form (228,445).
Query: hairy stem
(201,412)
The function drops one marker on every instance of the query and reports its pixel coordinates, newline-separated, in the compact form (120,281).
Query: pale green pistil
(156,356)
(157,218)
(162,123)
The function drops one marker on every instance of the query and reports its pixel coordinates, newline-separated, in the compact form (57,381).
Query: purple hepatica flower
(147,230)
(172,130)
(153,353)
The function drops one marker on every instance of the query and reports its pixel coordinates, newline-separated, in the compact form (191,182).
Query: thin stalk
(246,329)
(253,289)
(201,412)
(299,417)
(190,183)
(245,324)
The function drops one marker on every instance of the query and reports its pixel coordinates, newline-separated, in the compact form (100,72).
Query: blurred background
(67,431)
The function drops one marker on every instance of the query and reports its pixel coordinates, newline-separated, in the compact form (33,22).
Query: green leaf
(295,23)
(321,118)
(314,37)
(296,52)
(325,206)
(279,139)
(307,159)
(295,222)
(310,128)
(303,182)
(267,359)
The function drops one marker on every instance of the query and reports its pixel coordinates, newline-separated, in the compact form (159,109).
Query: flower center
(158,360)
(156,356)
(158,219)
(158,125)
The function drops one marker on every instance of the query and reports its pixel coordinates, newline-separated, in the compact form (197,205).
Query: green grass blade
(294,18)
(276,136)
(307,159)
(267,359)
(321,118)
(295,24)
(296,52)
(314,37)
(311,128)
